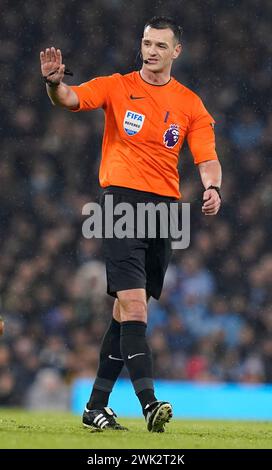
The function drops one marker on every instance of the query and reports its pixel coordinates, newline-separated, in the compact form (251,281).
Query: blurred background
(213,323)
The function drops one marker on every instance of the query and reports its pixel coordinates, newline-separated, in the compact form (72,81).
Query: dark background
(214,320)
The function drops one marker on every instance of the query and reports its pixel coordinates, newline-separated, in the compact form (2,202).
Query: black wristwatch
(217,189)
(49,83)
(52,84)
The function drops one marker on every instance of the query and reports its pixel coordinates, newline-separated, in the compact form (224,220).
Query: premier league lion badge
(171,136)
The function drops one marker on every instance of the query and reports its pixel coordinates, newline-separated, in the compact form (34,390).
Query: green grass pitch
(32,430)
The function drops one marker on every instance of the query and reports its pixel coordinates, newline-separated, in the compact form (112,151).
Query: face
(160,48)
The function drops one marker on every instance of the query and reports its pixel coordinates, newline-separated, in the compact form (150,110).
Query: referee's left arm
(211,176)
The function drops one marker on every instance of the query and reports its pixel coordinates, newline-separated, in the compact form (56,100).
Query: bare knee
(133,310)
(116,311)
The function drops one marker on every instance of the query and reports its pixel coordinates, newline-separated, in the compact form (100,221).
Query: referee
(148,115)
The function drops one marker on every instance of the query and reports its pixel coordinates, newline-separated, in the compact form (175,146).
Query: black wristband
(52,84)
(49,83)
(217,189)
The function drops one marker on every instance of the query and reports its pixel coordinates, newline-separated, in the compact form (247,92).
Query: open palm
(51,65)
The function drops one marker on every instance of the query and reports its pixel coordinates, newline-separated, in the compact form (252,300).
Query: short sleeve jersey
(145,127)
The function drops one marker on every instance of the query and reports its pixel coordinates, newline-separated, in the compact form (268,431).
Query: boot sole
(161,416)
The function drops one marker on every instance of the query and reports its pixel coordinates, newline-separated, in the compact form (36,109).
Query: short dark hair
(163,22)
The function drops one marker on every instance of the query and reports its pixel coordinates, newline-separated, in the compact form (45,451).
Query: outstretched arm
(211,175)
(52,69)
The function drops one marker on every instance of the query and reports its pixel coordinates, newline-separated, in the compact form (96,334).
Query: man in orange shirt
(148,114)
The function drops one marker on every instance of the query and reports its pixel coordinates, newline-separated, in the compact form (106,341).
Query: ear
(177,51)
(141,46)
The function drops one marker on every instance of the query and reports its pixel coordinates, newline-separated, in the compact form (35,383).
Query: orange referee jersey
(145,127)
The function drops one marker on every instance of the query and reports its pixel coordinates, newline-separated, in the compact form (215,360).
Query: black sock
(138,360)
(110,366)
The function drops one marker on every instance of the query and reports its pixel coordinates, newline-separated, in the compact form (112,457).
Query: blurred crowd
(213,322)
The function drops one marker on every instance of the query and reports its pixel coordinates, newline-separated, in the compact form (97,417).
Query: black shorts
(133,263)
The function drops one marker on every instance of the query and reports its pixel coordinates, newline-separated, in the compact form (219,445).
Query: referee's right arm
(52,70)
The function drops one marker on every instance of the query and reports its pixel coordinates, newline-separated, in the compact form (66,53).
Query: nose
(152,50)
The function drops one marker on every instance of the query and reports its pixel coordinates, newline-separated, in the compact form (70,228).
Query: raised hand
(51,65)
